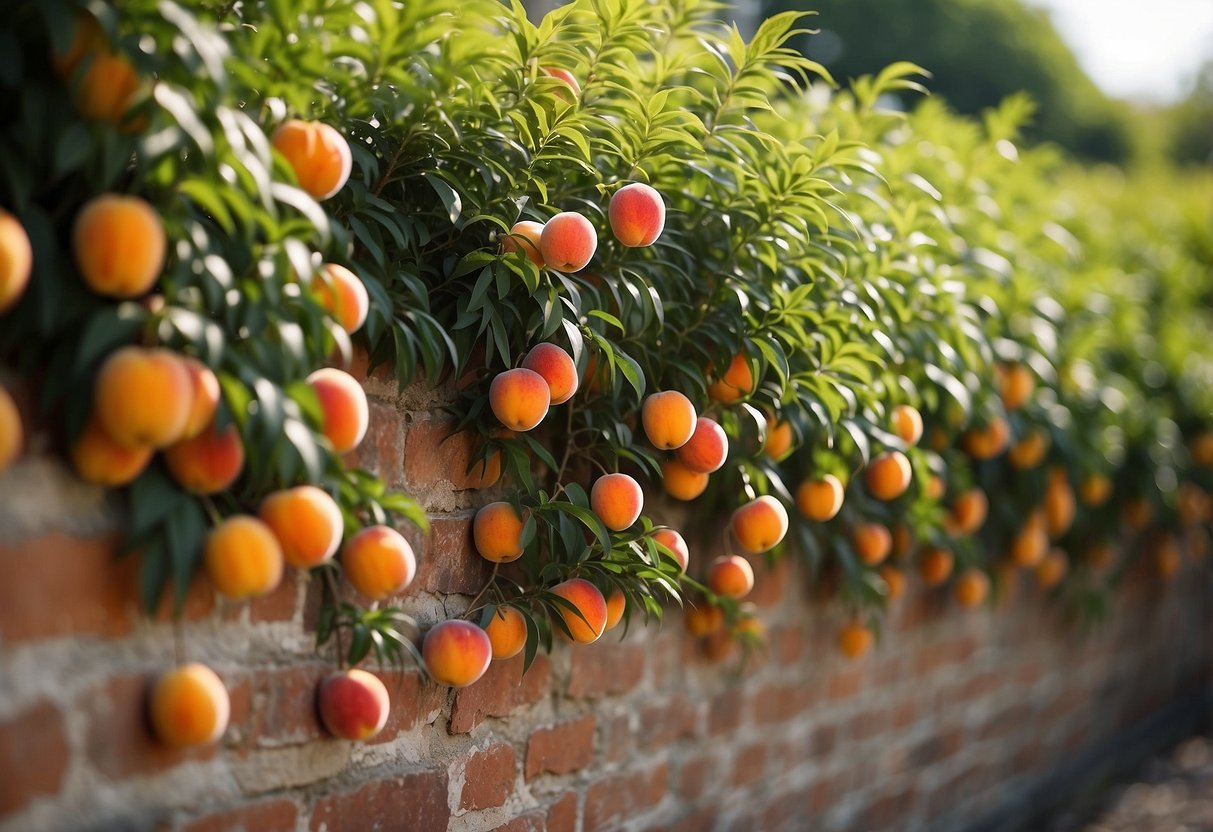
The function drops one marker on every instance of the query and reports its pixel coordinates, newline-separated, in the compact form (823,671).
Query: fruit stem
(492,579)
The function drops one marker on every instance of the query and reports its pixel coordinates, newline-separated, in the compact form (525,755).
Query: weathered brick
(779,703)
(562,814)
(500,690)
(698,820)
(412,801)
(33,756)
(603,669)
(265,816)
(662,724)
(414,701)
(749,764)
(693,777)
(561,748)
(448,562)
(119,742)
(617,738)
(724,712)
(530,822)
(489,777)
(382,448)
(434,456)
(277,707)
(845,683)
(624,795)
(770,583)
(278,605)
(868,724)
(787,644)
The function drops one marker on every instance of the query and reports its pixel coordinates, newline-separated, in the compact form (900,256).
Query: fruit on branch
(378,562)
(189,706)
(589,603)
(615,604)
(12,434)
(343,295)
(820,499)
(1015,385)
(343,405)
(306,521)
(243,557)
(972,588)
(989,441)
(1053,568)
(507,632)
(208,463)
(855,639)
(525,235)
(894,579)
(704,619)
(779,438)
(968,512)
(205,400)
(109,82)
(317,153)
(119,245)
(669,419)
(1030,544)
(673,541)
(1030,451)
(888,475)
(707,448)
(903,539)
(759,524)
(737,381)
(637,215)
(907,423)
(872,542)
(1059,503)
(748,623)
(568,242)
(935,565)
(935,488)
(456,653)
(731,576)
(557,368)
(98,459)
(353,704)
(519,398)
(680,482)
(497,532)
(16,260)
(1200,448)
(142,397)
(567,77)
(1095,490)
(1165,553)
(617,500)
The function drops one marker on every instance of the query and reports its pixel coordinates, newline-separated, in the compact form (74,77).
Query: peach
(707,448)
(142,397)
(243,557)
(1029,545)
(205,400)
(456,653)
(306,521)
(345,413)
(12,435)
(617,500)
(189,706)
(989,441)
(907,423)
(378,562)
(820,499)
(343,295)
(968,512)
(737,381)
(637,215)
(669,419)
(936,487)
(673,541)
(872,542)
(704,620)
(1200,447)
(888,475)
(615,604)
(353,704)
(568,242)
(107,87)
(1166,555)
(748,624)
(854,640)
(779,438)
(520,398)
(119,245)
(894,579)
(935,566)
(1015,385)
(557,368)
(760,524)
(564,75)
(497,532)
(1094,490)
(588,601)
(971,588)
(208,463)
(524,236)
(317,153)
(1051,570)
(680,482)
(507,632)
(1059,503)
(1030,451)
(98,459)
(731,576)
(16,260)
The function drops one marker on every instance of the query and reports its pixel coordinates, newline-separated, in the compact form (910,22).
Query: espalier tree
(652,253)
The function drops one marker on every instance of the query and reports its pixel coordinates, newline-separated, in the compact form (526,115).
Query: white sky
(1141,49)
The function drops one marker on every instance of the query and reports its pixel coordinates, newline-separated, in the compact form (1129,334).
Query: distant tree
(1192,121)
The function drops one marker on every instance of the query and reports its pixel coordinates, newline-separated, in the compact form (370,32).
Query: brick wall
(952,718)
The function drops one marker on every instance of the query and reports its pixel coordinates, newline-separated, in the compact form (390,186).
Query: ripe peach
(669,419)
(968,512)
(707,448)
(1095,489)
(519,398)
(760,524)
(142,397)
(497,532)
(343,295)
(935,566)
(673,541)
(119,245)
(737,381)
(243,557)
(971,588)
(568,242)
(1051,570)
(1029,546)
(854,640)
(1030,451)
(872,542)
(306,521)
(378,562)
(821,499)
(615,605)
(617,500)
(637,214)
(703,619)
(888,475)
(748,623)
(1059,503)
(98,459)
(563,75)
(1167,556)
(456,653)
(936,487)
(108,85)
(346,414)
(507,632)
(1015,385)
(524,236)
(208,463)
(907,423)
(16,260)
(205,400)
(353,704)
(1200,447)
(731,576)
(987,442)
(188,706)
(894,579)
(317,153)
(680,482)
(589,602)
(557,368)
(12,435)
(779,438)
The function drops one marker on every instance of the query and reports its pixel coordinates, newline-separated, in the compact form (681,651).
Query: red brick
(624,796)
(33,756)
(665,650)
(603,669)
(770,583)
(662,724)
(934,656)
(787,644)
(266,816)
(617,743)
(503,688)
(359,367)
(562,814)
(700,820)
(693,778)
(845,683)
(119,742)
(824,738)
(779,703)
(277,707)
(749,765)
(489,777)
(414,701)
(562,748)
(413,801)
(866,725)
(434,456)
(530,822)
(448,562)
(724,712)
(279,605)
(382,449)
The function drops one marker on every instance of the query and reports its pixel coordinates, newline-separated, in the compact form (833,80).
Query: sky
(1139,49)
